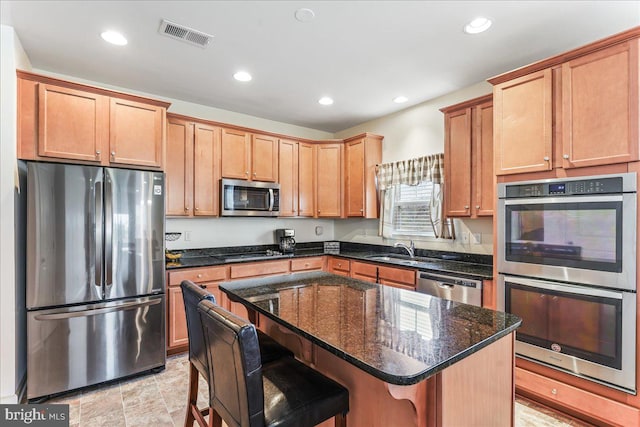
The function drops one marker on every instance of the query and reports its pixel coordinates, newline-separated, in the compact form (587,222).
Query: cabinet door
(307,264)
(235,154)
(354,160)
(523,124)
(178,171)
(339,266)
(398,277)
(136,133)
(288,177)
(600,107)
(328,301)
(206,169)
(364,271)
(329,181)
(177,328)
(264,158)
(483,159)
(458,162)
(306,180)
(71,124)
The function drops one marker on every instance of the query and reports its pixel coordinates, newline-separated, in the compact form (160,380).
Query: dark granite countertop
(396,335)
(467,265)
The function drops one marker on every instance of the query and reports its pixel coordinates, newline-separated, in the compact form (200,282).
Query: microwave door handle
(271,200)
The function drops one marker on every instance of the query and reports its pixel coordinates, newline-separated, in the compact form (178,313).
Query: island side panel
(479,390)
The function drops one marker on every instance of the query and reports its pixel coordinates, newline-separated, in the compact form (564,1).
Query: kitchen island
(406,358)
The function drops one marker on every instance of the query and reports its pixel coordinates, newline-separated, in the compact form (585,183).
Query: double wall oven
(567,267)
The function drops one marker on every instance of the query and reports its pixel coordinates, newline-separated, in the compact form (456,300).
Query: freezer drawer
(74,347)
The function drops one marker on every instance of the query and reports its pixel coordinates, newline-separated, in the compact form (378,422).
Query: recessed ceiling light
(305,15)
(114,37)
(242,76)
(325,100)
(400,99)
(478,25)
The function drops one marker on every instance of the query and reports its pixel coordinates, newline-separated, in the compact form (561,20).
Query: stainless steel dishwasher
(468,291)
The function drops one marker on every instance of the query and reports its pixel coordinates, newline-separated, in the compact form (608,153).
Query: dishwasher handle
(449,281)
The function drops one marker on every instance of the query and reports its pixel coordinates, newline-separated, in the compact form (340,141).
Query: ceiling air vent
(186,34)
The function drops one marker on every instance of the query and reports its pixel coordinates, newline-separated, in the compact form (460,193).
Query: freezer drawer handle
(85,313)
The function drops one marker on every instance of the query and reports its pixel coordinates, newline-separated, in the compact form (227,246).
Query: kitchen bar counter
(391,345)
(461,264)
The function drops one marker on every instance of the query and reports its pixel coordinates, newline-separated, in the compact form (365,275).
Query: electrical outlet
(476,238)
(187,236)
(465,238)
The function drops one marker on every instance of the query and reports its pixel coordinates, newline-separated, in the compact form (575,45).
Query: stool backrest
(235,367)
(192,294)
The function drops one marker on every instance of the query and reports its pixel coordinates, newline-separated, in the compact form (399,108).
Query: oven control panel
(566,188)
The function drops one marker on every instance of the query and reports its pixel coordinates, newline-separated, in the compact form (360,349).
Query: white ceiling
(361,53)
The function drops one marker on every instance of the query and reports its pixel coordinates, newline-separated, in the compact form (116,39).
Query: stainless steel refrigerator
(95,275)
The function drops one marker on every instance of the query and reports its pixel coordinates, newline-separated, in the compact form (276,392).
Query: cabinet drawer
(364,269)
(305,264)
(198,275)
(339,264)
(397,275)
(259,269)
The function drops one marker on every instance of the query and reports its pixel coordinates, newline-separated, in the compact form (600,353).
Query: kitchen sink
(400,259)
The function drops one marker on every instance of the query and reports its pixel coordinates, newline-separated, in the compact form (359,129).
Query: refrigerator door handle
(108,232)
(93,312)
(99,229)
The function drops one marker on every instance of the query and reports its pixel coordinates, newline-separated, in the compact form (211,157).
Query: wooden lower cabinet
(307,264)
(391,276)
(339,266)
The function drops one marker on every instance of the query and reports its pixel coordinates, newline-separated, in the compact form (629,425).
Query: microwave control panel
(566,188)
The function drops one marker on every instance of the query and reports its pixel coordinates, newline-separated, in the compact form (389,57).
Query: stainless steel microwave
(249,198)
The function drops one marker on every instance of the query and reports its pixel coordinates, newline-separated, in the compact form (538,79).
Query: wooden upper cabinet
(469,173)
(60,121)
(523,123)
(600,107)
(264,158)
(306,179)
(329,167)
(136,133)
(362,154)
(179,170)
(206,169)
(235,149)
(288,177)
(482,165)
(72,124)
(193,174)
(458,162)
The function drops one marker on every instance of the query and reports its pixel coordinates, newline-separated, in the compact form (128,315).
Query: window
(410,206)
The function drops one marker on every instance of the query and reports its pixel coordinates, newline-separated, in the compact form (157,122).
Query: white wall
(12,319)
(220,232)
(414,132)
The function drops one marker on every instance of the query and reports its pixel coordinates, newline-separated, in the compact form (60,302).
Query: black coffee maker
(284,238)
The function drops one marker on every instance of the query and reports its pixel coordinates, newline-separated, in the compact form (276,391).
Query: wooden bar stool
(192,294)
(245,393)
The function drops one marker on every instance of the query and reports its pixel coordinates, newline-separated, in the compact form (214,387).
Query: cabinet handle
(565,156)
(254,174)
(554,391)
(203,286)
(546,158)
(196,208)
(318,210)
(246,173)
(186,209)
(199,276)
(361,210)
(113,155)
(98,154)
(339,265)
(306,264)
(477,206)
(466,206)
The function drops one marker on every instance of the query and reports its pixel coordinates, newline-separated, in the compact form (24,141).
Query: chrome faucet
(410,248)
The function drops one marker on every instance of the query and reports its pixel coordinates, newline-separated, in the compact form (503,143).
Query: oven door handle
(564,199)
(578,290)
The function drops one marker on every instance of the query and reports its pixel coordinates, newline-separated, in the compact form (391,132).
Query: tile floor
(158,400)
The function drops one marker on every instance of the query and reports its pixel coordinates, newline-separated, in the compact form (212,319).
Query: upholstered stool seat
(245,393)
(192,294)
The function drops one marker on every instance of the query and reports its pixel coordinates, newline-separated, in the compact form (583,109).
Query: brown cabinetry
(581,107)
(207,278)
(249,156)
(384,275)
(307,264)
(193,173)
(329,168)
(339,266)
(362,154)
(288,177)
(306,179)
(469,158)
(65,121)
